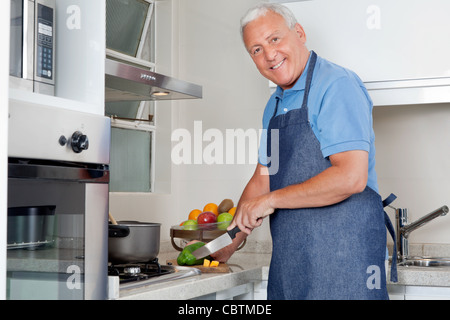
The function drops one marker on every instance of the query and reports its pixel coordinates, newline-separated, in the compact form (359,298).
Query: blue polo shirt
(339,110)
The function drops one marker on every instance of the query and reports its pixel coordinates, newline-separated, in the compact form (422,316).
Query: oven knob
(79,142)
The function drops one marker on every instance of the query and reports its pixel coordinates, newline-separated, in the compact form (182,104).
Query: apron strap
(390,228)
(389,200)
(309,75)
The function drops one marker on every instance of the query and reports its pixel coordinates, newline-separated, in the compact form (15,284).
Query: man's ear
(300,32)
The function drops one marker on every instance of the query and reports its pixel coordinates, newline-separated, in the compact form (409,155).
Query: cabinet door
(80,49)
(396,292)
(380,40)
(427,293)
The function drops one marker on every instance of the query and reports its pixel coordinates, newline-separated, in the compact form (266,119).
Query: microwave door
(28,42)
(32,46)
(22,44)
(16,42)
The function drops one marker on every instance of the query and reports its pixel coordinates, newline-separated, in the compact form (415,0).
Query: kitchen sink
(432,262)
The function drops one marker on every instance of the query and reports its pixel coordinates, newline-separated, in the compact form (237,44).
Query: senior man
(327,221)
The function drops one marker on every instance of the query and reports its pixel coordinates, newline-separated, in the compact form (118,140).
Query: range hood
(124,82)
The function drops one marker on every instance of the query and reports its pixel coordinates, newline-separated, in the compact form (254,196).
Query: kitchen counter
(249,267)
(422,276)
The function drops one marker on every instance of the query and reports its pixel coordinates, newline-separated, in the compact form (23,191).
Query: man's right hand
(224,254)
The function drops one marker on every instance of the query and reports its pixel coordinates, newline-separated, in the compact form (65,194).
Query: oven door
(55,208)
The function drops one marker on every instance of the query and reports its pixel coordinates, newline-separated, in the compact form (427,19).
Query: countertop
(250,266)
(422,276)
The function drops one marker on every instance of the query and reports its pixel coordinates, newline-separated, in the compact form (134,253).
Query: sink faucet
(403,229)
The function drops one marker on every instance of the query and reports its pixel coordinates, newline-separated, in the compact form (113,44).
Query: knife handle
(233,232)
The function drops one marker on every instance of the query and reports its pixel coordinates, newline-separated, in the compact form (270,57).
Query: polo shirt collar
(300,84)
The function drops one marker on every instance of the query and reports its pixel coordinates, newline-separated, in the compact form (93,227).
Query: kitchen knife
(217,244)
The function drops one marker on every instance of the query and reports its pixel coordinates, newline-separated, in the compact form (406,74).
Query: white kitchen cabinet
(241,292)
(401,292)
(256,290)
(80,63)
(396,292)
(80,59)
(260,290)
(400,49)
(80,49)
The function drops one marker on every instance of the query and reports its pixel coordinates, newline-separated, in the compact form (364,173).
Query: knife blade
(216,244)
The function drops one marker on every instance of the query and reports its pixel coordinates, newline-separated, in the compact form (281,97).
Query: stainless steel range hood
(124,82)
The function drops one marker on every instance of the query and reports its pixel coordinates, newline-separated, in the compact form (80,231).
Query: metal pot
(133,241)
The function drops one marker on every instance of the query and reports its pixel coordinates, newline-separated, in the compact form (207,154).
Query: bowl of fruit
(205,225)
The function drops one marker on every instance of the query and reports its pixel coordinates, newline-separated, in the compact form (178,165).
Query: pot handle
(118,231)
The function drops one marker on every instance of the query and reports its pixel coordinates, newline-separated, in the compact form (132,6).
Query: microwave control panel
(45,42)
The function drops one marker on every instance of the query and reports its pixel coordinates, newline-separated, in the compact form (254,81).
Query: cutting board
(221,268)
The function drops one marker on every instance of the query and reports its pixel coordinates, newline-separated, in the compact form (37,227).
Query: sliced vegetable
(186,256)
(214,264)
(206,263)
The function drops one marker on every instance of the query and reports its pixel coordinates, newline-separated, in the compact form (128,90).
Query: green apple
(190,225)
(224,220)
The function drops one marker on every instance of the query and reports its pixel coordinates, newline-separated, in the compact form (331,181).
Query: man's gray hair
(262,8)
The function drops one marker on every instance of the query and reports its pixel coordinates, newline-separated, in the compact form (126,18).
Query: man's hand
(224,254)
(256,187)
(250,213)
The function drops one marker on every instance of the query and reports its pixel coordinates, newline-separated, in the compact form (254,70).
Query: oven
(58,177)
(32,45)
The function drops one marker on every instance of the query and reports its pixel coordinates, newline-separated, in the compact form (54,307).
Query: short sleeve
(344,121)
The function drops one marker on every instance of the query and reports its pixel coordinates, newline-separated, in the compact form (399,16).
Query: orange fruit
(212,207)
(194,214)
(232,211)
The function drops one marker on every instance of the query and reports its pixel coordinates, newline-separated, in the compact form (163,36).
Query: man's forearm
(331,186)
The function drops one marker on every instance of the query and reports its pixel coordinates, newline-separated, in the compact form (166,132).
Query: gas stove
(136,275)
(139,271)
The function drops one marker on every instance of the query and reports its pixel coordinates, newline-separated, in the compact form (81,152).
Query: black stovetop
(138,271)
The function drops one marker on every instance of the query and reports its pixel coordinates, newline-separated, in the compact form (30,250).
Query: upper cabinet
(80,50)
(400,49)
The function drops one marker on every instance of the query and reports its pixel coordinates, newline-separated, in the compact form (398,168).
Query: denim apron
(332,252)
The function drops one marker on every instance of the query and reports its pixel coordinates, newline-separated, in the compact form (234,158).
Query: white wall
(207,50)
(413,162)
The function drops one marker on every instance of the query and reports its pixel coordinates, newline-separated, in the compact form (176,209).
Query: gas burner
(132,270)
(138,271)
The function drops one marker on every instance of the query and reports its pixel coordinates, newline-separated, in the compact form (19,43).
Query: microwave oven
(32,46)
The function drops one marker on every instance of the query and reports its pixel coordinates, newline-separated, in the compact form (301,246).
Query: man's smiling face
(279,52)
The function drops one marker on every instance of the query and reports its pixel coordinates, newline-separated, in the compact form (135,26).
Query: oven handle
(61,173)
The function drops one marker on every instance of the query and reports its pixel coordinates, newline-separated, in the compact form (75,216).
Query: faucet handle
(402,214)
